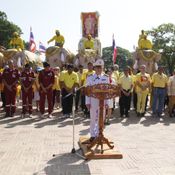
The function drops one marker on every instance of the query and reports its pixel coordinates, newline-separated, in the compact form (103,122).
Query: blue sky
(124,18)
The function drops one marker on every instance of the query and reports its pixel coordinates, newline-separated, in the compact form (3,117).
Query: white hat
(99,62)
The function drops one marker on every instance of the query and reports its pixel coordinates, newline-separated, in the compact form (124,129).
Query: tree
(6,30)
(163,38)
(123,57)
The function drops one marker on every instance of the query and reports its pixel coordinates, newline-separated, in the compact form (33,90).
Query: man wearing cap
(10,79)
(93,103)
(159,86)
(27,79)
(46,82)
(59,39)
(68,82)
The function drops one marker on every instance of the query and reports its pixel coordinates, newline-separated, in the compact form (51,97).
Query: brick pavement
(27,146)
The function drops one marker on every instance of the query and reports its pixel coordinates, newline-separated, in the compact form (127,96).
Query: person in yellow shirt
(68,82)
(89,42)
(88,72)
(56,88)
(159,86)
(115,69)
(145,44)
(143,86)
(141,36)
(59,39)
(16,42)
(79,72)
(36,88)
(125,85)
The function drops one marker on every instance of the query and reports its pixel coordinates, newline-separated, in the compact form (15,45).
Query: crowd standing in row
(56,85)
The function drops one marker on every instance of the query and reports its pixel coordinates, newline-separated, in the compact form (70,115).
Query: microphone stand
(74,151)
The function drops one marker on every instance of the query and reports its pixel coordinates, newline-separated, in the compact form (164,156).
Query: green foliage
(163,38)
(123,57)
(6,30)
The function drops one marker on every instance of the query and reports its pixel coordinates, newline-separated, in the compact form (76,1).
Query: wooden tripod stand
(101,92)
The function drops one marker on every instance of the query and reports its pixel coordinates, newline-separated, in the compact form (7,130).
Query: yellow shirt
(85,75)
(56,85)
(159,80)
(144,81)
(69,79)
(145,44)
(36,84)
(116,75)
(142,36)
(17,43)
(88,44)
(57,39)
(125,82)
(18,90)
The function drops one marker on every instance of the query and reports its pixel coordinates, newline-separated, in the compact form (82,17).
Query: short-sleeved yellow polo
(125,82)
(58,39)
(85,75)
(56,85)
(69,79)
(116,75)
(159,80)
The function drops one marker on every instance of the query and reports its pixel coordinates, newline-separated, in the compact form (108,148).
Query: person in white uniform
(93,103)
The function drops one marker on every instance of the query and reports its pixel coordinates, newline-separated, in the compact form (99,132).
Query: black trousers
(124,103)
(67,102)
(77,99)
(83,105)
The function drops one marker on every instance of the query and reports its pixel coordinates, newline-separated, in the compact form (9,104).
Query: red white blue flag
(32,43)
(42,48)
(114,56)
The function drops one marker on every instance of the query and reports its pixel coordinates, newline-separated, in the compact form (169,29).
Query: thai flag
(42,48)
(32,43)
(114,50)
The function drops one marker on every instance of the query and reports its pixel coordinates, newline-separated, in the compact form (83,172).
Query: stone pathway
(27,146)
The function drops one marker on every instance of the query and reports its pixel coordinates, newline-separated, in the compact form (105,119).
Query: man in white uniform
(93,103)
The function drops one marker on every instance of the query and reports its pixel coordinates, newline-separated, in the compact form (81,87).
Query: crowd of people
(55,84)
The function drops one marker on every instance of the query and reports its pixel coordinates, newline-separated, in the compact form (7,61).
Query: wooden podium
(91,150)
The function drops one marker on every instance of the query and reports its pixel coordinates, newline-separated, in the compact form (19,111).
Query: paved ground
(27,146)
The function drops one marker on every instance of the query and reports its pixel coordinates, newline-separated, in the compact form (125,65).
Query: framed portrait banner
(90,24)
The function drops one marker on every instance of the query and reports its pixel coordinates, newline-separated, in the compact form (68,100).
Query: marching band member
(10,79)
(27,79)
(46,82)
